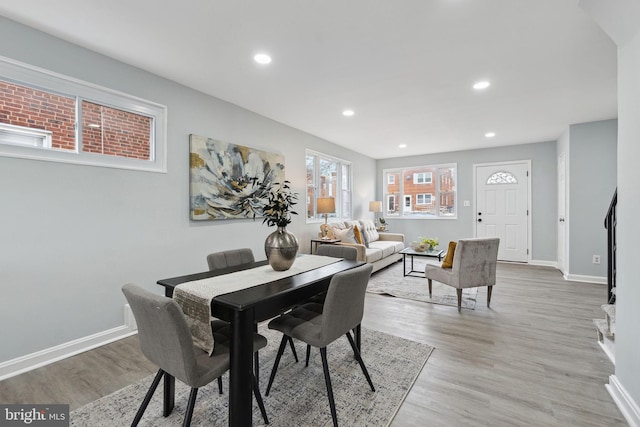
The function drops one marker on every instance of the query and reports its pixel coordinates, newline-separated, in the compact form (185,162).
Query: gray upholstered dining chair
(474,264)
(230,258)
(319,325)
(237,258)
(166,341)
(338,251)
(335,251)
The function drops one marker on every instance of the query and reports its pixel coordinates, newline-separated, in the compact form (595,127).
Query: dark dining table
(244,309)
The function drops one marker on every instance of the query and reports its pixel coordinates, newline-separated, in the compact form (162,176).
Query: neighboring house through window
(426,191)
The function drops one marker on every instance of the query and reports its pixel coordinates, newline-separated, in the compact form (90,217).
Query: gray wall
(72,235)
(543,165)
(628,315)
(592,182)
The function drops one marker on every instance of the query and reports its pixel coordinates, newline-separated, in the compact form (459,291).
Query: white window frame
(25,137)
(424,196)
(49,81)
(391,179)
(343,197)
(424,176)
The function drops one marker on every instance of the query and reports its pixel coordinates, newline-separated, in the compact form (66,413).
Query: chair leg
(169,394)
(147,398)
(220,384)
(308,354)
(489,296)
(360,361)
(430,286)
(327,380)
(258,396)
(283,344)
(459,291)
(293,349)
(192,403)
(256,363)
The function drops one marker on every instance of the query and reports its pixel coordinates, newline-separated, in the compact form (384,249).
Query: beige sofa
(380,248)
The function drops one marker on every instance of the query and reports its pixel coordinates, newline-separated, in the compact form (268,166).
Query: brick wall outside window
(32,108)
(123,133)
(113,132)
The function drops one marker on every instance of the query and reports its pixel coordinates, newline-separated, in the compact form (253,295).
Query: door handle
(561,220)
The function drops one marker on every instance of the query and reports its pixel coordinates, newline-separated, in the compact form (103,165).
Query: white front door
(502,207)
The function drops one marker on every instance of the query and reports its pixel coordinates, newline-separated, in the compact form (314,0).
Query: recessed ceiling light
(481,85)
(348,113)
(262,58)
(489,134)
(402,146)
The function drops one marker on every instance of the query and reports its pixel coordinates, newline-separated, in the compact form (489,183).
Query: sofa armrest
(397,237)
(361,249)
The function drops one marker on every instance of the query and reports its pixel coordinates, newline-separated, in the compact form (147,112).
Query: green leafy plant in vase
(425,244)
(281,246)
(429,243)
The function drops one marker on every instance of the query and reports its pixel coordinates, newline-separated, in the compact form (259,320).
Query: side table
(316,242)
(433,253)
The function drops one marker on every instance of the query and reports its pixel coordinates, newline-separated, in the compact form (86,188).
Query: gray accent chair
(166,341)
(474,264)
(338,251)
(319,325)
(230,258)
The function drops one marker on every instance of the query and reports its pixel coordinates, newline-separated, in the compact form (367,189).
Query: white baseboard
(609,348)
(588,279)
(47,356)
(625,403)
(542,263)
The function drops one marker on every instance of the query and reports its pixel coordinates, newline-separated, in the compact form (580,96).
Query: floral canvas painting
(230,181)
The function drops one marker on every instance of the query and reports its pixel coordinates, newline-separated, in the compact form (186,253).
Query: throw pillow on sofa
(345,235)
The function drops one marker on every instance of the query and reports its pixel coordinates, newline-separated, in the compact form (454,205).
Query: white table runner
(195,297)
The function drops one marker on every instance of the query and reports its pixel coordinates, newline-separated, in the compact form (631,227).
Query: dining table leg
(241,369)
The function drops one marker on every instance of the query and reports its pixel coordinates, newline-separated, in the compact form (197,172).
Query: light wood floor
(530,360)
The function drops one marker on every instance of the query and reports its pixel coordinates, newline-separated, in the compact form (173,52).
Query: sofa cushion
(373,255)
(387,247)
(368,228)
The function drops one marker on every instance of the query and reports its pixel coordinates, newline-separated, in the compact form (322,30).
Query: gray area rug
(298,396)
(391,281)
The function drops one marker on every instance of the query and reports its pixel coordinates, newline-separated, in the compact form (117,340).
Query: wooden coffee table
(433,253)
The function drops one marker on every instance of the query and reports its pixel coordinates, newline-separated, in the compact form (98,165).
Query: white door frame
(529,199)
(563,248)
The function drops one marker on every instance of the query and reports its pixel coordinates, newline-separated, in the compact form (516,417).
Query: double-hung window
(427,192)
(328,176)
(48,116)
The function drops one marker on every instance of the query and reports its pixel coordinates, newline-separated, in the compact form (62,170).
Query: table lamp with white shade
(375,207)
(325,206)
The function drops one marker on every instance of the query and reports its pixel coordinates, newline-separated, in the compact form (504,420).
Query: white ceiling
(405,67)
